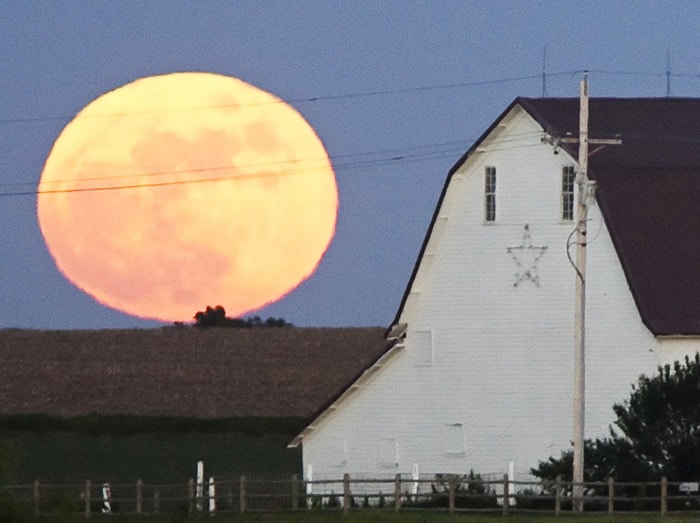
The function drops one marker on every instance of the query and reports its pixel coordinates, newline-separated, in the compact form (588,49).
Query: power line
(340,162)
(301,165)
(349,164)
(294,167)
(384,92)
(237,176)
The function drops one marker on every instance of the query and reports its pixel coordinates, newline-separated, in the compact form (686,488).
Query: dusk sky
(396,90)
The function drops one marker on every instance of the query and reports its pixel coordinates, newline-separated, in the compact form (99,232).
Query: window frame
(568,191)
(456,441)
(490,180)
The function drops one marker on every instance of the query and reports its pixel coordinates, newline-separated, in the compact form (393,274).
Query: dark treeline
(120,425)
(216,317)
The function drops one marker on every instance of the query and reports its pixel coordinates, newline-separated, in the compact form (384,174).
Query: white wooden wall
(486,374)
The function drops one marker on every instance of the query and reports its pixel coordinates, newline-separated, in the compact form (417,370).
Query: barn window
(490,194)
(568,176)
(454,444)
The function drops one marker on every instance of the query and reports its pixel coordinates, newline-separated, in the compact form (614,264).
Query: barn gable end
(484,377)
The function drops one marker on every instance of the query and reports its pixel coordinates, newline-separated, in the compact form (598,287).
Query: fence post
(397,492)
(295,492)
(241,496)
(88,488)
(190,496)
(664,495)
(156,501)
(611,496)
(452,496)
(139,496)
(308,479)
(506,494)
(557,496)
(346,493)
(36,496)
(199,500)
(212,495)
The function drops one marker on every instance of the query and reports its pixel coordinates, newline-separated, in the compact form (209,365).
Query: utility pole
(580,308)
(544,72)
(585,193)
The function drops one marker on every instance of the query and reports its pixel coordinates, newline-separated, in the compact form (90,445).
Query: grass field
(68,458)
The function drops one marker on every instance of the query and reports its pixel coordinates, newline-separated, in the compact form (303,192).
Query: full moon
(184,190)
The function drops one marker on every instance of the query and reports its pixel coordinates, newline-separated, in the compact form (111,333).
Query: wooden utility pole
(580,307)
(584,197)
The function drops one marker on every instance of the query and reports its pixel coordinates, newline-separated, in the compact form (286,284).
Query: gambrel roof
(648,190)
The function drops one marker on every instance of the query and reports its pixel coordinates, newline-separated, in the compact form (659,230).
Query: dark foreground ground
(389,516)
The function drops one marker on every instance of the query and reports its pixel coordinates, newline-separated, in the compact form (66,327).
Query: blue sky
(396,90)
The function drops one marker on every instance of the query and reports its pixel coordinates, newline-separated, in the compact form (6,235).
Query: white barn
(479,373)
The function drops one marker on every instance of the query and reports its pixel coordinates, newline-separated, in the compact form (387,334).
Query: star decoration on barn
(526,257)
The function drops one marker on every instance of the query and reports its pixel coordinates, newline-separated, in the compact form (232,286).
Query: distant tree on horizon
(216,317)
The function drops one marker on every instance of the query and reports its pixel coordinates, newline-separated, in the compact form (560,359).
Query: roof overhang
(356,385)
(689,337)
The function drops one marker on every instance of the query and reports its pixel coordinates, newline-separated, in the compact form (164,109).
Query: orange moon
(184,190)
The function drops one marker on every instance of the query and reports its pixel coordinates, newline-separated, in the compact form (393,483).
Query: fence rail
(449,492)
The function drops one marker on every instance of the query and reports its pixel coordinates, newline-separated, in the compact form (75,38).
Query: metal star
(526,257)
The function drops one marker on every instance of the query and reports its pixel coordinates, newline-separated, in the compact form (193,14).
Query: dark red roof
(657,133)
(648,191)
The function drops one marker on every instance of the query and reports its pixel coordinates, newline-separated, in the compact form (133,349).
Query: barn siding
(500,359)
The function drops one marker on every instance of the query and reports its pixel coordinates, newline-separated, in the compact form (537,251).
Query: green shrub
(333,501)
(469,492)
(13,510)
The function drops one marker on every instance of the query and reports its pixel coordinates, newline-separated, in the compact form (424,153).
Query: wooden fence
(452,493)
